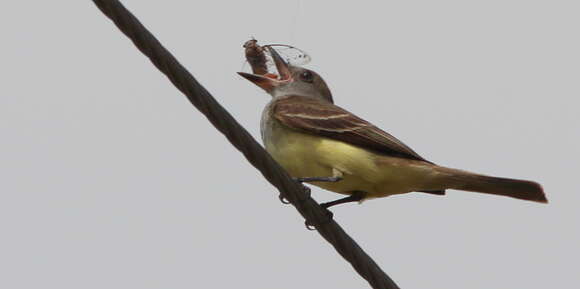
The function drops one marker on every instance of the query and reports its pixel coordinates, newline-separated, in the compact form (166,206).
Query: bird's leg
(336,176)
(318,179)
(355,197)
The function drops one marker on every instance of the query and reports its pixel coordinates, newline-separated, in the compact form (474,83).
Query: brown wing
(324,118)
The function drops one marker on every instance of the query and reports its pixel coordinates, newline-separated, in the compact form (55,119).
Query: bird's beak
(281,65)
(270,81)
(267,82)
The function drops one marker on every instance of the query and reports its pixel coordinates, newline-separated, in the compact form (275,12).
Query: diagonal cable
(245,143)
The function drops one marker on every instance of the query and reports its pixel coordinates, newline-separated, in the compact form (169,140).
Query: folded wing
(324,118)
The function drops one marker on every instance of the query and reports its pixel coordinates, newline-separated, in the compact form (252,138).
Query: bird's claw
(283,199)
(312,227)
(309,226)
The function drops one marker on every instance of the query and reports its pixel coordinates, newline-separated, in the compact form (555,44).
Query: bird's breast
(306,155)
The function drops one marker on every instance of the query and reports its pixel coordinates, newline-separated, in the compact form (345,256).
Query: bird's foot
(329,216)
(283,200)
(286,201)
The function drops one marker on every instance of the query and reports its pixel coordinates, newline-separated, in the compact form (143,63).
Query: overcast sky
(109,178)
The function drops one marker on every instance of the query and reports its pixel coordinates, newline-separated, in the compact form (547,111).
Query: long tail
(466,181)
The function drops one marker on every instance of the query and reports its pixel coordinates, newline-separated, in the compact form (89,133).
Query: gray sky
(110,179)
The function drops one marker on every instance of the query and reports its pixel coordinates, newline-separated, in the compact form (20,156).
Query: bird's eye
(306,76)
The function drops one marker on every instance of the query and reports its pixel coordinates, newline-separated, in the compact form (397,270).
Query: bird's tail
(466,181)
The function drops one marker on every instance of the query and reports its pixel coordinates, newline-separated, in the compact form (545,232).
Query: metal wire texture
(294,192)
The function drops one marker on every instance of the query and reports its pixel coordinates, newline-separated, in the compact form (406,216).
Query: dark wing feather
(324,118)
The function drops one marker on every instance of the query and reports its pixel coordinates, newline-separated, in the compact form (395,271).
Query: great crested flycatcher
(329,147)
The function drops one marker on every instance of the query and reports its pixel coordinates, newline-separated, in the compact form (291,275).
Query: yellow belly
(305,155)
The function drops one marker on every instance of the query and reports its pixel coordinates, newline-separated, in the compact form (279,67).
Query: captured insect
(261,61)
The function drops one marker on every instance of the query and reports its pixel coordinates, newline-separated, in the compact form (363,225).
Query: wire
(245,143)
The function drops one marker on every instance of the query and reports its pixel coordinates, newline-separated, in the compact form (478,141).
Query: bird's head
(291,80)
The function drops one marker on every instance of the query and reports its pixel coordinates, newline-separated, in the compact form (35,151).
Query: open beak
(281,65)
(269,81)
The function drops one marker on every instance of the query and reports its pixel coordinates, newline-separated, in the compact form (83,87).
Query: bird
(327,146)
